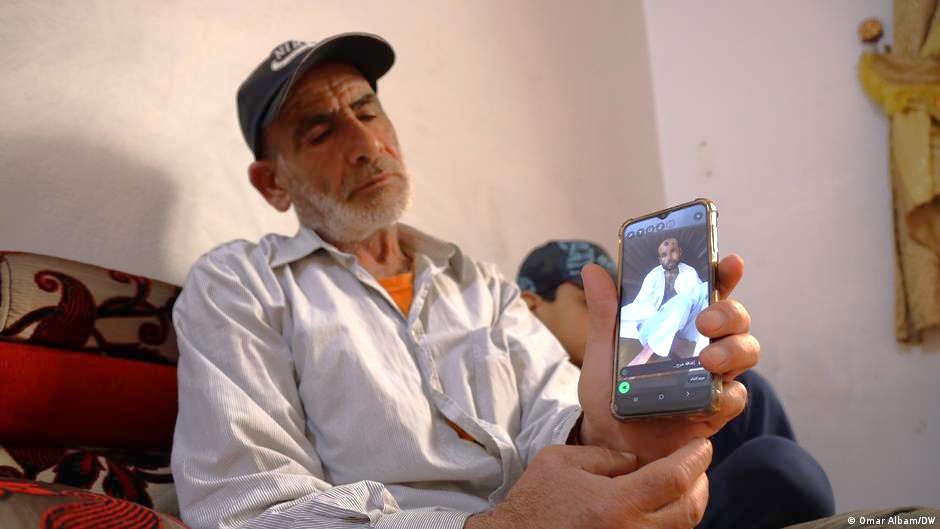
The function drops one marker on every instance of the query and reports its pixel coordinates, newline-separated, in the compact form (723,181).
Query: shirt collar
(306,242)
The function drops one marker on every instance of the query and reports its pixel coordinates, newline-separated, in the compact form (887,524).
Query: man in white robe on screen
(671,296)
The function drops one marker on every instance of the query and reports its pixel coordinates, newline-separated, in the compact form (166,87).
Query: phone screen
(666,267)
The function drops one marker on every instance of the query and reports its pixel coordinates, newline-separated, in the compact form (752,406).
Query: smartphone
(668,274)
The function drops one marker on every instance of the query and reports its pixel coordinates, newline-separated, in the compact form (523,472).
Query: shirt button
(417,333)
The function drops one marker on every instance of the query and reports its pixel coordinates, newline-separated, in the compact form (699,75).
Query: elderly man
(364,374)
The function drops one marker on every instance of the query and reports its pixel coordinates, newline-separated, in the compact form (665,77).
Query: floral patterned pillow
(137,476)
(81,307)
(51,311)
(28,504)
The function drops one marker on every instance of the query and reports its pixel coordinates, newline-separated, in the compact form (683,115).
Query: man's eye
(366,117)
(317,139)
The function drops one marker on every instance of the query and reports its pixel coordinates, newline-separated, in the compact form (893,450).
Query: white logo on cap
(287,52)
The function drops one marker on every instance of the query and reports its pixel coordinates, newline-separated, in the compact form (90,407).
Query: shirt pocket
(495,393)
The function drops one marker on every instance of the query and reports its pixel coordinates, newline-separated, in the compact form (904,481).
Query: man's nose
(364,145)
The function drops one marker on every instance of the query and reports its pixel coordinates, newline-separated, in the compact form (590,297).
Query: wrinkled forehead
(668,245)
(324,88)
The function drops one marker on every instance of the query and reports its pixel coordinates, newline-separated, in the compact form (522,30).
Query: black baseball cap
(262,94)
(557,262)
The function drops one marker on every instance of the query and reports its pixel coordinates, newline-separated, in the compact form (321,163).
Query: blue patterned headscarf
(557,262)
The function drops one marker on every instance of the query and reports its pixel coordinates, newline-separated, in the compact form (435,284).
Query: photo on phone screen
(665,266)
(665,284)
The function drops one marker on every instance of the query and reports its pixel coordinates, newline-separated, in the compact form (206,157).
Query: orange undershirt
(401,288)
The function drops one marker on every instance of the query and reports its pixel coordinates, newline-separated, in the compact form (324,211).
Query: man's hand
(588,487)
(733,352)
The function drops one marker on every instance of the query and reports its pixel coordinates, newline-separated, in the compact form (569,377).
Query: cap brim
(576,282)
(370,54)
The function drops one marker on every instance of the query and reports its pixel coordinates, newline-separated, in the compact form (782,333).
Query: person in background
(758,472)
(551,285)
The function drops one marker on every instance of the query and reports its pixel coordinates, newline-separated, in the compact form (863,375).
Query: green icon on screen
(624,387)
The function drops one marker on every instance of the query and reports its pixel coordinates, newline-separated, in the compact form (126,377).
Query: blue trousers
(759,477)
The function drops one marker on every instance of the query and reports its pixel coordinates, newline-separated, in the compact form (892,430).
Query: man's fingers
(593,459)
(601,296)
(723,318)
(733,402)
(665,480)
(594,384)
(685,512)
(731,355)
(730,270)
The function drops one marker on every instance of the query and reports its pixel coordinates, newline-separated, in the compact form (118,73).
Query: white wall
(799,173)
(119,142)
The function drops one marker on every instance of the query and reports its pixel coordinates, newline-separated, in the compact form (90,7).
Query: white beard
(348,223)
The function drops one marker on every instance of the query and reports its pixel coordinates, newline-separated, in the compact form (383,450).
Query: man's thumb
(601,296)
(599,461)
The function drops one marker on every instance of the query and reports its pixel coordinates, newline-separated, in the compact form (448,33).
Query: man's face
(567,318)
(669,254)
(337,154)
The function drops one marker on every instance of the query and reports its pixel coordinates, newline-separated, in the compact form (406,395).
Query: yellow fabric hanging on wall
(905,82)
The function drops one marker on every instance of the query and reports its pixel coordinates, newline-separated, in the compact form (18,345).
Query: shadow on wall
(70,197)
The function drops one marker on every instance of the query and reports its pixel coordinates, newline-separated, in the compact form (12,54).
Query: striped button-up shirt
(308,399)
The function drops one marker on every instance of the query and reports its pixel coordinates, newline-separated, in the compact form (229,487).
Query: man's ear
(263,176)
(531,299)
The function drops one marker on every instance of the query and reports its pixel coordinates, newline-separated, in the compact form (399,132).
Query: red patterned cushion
(81,307)
(142,477)
(55,397)
(28,504)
